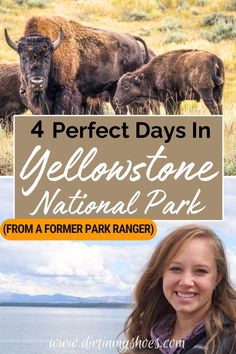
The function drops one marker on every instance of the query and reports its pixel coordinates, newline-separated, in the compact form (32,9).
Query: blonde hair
(151,303)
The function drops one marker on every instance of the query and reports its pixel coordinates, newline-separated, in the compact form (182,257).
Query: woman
(184,300)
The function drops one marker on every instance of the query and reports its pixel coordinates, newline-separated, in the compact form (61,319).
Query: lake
(48,330)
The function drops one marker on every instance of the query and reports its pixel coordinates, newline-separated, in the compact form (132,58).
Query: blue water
(43,330)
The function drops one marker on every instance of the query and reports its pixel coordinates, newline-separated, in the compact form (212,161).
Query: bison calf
(174,77)
(11,102)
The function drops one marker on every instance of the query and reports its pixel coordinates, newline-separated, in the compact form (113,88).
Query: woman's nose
(186,279)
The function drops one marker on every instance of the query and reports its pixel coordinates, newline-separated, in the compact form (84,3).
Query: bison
(11,102)
(63,62)
(174,77)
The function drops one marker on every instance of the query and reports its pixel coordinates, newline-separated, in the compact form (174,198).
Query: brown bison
(63,62)
(174,77)
(11,102)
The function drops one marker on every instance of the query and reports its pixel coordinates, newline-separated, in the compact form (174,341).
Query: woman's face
(190,278)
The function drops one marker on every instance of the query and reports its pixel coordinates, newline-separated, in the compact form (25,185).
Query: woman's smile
(185,295)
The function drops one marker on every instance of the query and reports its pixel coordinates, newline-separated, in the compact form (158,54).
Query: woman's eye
(201,271)
(175,269)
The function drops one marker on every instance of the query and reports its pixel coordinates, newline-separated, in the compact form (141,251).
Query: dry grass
(230,148)
(112,14)
(6,156)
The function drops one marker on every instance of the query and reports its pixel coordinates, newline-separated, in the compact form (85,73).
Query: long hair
(151,304)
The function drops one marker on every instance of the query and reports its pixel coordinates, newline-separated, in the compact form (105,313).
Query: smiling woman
(184,300)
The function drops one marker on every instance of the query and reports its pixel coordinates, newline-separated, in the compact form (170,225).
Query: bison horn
(11,44)
(59,40)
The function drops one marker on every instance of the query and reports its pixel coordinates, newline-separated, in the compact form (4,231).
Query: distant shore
(82,305)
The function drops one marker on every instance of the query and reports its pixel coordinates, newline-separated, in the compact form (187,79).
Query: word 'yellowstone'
(56,171)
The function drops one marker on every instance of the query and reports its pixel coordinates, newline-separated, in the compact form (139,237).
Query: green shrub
(169,24)
(3,10)
(135,16)
(229,168)
(214,18)
(177,37)
(231,5)
(221,30)
(36,3)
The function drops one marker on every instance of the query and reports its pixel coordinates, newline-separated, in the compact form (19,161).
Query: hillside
(60,299)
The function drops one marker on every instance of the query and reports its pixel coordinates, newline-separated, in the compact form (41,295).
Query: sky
(91,268)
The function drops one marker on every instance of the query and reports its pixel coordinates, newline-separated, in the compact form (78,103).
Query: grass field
(165,25)
(6,156)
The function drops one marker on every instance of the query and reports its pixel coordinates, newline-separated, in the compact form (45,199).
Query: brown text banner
(156,167)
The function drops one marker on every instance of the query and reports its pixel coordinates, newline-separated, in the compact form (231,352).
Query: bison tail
(147,57)
(218,73)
